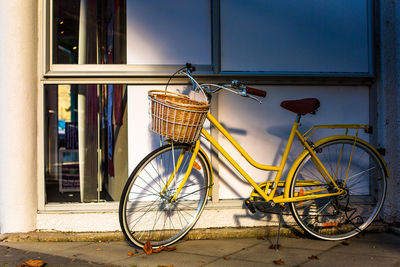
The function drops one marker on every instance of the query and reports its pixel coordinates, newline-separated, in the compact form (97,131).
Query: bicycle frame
(305,195)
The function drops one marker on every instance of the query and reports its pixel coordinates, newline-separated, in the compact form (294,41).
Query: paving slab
(372,245)
(216,248)
(304,243)
(237,263)
(340,260)
(14,257)
(372,249)
(263,253)
(55,248)
(166,259)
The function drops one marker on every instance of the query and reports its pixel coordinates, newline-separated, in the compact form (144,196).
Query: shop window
(135,32)
(85,138)
(89,32)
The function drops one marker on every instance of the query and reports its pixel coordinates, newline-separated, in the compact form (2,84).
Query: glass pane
(89,32)
(85,141)
(295,36)
(168,32)
(154,32)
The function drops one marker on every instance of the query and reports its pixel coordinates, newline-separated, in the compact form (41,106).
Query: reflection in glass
(85,142)
(89,32)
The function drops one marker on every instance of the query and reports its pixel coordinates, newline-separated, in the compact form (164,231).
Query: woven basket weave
(176,116)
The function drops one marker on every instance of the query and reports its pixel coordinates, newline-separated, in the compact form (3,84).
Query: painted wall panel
(263,129)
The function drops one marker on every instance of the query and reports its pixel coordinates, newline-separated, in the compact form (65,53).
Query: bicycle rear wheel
(146,211)
(339,217)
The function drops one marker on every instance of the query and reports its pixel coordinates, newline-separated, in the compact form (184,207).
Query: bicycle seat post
(298,117)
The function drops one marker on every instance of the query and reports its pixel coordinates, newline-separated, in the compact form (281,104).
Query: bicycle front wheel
(339,217)
(147,211)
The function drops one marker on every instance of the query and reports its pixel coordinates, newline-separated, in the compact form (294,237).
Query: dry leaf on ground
(148,248)
(163,248)
(33,263)
(279,262)
(130,253)
(159,249)
(168,249)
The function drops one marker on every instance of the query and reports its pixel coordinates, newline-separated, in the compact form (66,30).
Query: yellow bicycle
(334,189)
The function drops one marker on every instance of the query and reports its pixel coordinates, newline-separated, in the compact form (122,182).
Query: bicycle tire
(340,217)
(145,214)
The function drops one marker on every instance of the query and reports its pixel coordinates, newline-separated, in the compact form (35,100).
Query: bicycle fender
(299,159)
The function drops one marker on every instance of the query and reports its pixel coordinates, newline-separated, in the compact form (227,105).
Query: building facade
(75,76)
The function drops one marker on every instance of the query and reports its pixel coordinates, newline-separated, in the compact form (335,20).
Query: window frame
(140,73)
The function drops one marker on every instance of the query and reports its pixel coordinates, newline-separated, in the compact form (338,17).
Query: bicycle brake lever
(245,94)
(254,98)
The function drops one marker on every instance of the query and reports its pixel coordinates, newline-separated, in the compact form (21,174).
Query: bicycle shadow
(278,131)
(272,222)
(270,175)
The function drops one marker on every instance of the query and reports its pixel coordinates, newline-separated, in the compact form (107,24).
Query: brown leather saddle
(301,106)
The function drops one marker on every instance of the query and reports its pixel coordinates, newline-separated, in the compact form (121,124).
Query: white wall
(18,106)
(263,129)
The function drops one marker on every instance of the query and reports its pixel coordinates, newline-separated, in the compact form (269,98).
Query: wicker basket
(176,116)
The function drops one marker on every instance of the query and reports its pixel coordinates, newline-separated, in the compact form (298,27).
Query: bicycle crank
(264,206)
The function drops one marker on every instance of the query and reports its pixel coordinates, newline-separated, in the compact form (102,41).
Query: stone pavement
(371,249)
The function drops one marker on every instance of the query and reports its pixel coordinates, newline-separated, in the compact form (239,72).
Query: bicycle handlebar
(256,92)
(237,86)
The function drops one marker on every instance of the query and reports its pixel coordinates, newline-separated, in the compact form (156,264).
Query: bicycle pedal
(250,206)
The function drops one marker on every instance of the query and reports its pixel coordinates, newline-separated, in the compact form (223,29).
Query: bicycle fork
(177,165)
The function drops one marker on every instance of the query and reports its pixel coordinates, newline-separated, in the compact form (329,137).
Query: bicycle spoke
(152,216)
(363,192)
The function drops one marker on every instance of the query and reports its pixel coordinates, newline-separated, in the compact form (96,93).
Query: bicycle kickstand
(279,230)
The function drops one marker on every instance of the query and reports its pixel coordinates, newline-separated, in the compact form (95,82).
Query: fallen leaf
(131,253)
(99,249)
(148,248)
(227,258)
(313,257)
(279,262)
(163,248)
(159,249)
(33,263)
(168,249)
